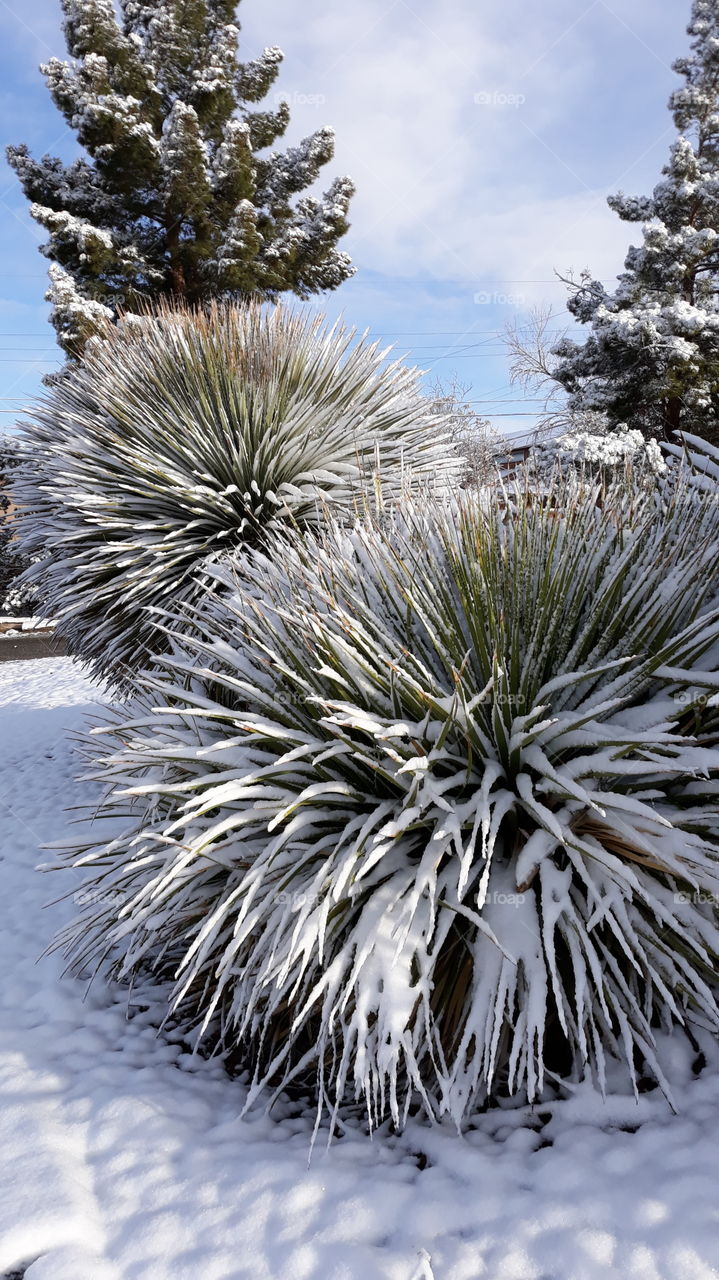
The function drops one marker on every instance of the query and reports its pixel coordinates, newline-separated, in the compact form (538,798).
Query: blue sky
(483,135)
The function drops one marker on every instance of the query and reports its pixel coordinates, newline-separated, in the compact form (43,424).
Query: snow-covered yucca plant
(186,434)
(423,812)
(702,459)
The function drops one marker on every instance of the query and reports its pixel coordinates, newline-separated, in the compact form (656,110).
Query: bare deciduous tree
(475,438)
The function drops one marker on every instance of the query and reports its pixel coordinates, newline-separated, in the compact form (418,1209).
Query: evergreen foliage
(179,192)
(651,360)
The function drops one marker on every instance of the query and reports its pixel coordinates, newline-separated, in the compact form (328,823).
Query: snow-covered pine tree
(14,599)
(179,192)
(651,359)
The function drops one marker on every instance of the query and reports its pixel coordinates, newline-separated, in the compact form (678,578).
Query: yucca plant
(702,459)
(185,435)
(419,813)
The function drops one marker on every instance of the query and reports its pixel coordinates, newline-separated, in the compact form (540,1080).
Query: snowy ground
(122,1158)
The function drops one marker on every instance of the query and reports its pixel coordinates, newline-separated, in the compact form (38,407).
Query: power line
(464,354)
(476,281)
(381,333)
(427,333)
(373,333)
(383,275)
(434,346)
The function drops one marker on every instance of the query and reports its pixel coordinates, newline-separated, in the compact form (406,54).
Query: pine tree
(179,192)
(15,599)
(651,359)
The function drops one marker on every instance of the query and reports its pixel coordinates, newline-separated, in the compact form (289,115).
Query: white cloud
(456,196)
(450,186)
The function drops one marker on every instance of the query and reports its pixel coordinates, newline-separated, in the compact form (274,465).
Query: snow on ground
(124,1158)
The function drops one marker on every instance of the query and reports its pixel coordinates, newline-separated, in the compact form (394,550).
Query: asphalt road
(31,644)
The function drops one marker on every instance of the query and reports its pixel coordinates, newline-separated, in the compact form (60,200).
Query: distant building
(516,452)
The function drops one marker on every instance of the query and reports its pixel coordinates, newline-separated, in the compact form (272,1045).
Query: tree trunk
(175,270)
(672,416)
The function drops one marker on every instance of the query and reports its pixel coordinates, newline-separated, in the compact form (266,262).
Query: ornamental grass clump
(186,435)
(425,812)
